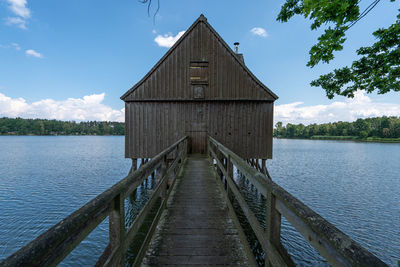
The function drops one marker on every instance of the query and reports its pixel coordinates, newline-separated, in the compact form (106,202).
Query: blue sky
(72,60)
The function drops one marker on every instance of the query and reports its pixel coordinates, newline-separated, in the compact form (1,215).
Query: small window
(198,72)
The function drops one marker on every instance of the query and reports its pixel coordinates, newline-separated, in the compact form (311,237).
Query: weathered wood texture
(332,244)
(199,87)
(245,129)
(51,247)
(196,226)
(199,57)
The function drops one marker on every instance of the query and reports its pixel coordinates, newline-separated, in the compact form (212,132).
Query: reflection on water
(133,206)
(355,186)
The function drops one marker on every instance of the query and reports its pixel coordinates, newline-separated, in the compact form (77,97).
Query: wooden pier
(203,97)
(197,227)
(194,222)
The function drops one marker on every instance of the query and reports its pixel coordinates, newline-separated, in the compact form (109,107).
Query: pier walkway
(196,227)
(189,218)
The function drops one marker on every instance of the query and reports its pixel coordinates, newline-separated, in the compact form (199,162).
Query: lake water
(355,186)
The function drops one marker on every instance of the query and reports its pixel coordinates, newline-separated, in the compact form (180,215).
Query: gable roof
(201,19)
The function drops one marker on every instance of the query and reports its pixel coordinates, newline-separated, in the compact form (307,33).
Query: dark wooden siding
(244,127)
(199,87)
(225,78)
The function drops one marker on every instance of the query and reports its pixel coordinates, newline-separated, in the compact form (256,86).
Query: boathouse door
(196,128)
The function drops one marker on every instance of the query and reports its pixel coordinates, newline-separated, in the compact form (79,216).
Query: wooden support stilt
(134,166)
(265,170)
(263,166)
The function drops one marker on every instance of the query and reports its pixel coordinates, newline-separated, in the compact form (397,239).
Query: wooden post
(185,150)
(132,197)
(161,173)
(186,147)
(134,166)
(177,151)
(117,227)
(266,170)
(273,225)
(208,153)
(259,165)
(220,158)
(229,170)
(263,166)
(273,231)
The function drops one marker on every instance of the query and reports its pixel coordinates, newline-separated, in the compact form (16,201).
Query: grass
(383,140)
(326,137)
(352,138)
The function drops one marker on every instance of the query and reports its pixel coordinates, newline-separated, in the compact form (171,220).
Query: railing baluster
(163,170)
(117,228)
(273,225)
(229,170)
(220,158)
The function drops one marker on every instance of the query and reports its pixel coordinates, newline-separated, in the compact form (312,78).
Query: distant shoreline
(347,138)
(62,135)
(43,127)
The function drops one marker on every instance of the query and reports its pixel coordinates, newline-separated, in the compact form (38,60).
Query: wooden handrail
(55,244)
(332,244)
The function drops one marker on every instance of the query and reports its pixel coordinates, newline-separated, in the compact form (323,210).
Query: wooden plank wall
(227,79)
(243,126)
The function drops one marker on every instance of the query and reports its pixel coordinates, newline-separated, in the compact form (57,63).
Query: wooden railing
(55,244)
(332,244)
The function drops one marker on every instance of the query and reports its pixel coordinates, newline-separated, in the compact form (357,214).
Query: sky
(72,60)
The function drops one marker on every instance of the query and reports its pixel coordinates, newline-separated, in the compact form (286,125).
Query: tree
(384,127)
(363,134)
(361,125)
(379,66)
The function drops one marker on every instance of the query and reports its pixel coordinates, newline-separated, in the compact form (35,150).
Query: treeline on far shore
(370,129)
(19,126)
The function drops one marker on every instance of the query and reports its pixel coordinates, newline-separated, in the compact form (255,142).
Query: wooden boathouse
(199,87)
(198,120)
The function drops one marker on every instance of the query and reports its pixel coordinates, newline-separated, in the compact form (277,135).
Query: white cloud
(361,106)
(33,53)
(168,40)
(12,45)
(18,7)
(16,46)
(22,13)
(79,109)
(259,31)
(20,23)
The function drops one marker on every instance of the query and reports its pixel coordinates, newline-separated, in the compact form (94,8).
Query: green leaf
(378,69)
